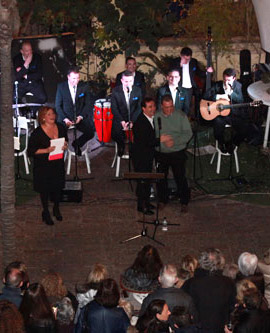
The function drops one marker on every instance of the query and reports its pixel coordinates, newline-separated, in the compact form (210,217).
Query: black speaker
(72,192)
(245,62)
(58,53)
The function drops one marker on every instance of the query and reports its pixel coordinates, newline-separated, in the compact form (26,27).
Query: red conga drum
(103,119)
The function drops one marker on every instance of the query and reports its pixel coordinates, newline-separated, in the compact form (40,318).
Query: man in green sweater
(171,153)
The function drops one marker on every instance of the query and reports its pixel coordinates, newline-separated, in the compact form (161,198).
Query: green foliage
(227,19)
(107,30)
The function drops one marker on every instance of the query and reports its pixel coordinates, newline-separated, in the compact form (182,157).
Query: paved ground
(92,230)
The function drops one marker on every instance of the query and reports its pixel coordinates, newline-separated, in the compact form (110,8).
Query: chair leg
(213,157)
(236,160)
(87,161)
(117,170)
(26,163)
(218,162)
(115,155)
(69,163)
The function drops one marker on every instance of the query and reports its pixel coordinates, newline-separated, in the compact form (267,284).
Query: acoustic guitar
(210,110)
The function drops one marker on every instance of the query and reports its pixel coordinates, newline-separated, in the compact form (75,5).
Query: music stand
(153,178)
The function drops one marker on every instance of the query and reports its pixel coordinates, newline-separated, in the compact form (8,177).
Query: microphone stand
(76,178)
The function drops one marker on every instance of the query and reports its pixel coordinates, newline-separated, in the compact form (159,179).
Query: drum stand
(154,178)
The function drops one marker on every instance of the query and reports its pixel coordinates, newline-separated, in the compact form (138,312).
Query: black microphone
(128,89)
(159,123)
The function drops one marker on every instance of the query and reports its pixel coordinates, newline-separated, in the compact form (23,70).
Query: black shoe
(57,214)
(77,149)
(46,217)
(145,211)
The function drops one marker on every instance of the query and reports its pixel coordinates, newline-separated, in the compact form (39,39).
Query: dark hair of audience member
(180,318)
(22,268)
(148,261)
(149,322)
(11,321)
(35,307)
(108,294)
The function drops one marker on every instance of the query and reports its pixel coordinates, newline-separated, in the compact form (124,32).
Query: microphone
(159,123)
(128,89)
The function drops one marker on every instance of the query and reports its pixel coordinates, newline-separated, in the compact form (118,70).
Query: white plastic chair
(70,152)
(21,125)
(220,154)
(117,160)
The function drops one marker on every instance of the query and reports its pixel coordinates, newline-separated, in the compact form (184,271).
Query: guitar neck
(233,106)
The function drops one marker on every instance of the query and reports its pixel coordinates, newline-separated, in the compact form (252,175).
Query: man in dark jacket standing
(213,294)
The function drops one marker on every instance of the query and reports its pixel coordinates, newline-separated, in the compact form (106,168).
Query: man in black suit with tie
(174,89)
(143,150)
(126,107)
(73,107)
(139,80)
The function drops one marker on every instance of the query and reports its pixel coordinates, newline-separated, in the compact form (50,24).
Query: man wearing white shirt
(73,107)
(126,106)
(189,68)
(174,89)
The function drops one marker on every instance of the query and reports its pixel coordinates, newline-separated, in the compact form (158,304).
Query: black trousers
(86,127)
(34,87)
(143,189)
(187,100)
(239,126)
(177,161)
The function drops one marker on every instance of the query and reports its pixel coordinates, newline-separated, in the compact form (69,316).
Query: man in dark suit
(143,150)
(126,107)
(73,107)
(231,90)
(169,293)
(28,74)
(189,68)
(139,80)
(174,89)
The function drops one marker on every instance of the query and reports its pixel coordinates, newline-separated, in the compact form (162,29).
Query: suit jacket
(119,105)
(139,80)
(217,88)
(193,70)
(33,72)
(64,104)
(173,297)
(144,142)
(179,100)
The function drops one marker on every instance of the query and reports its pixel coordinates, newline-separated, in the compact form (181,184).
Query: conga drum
(103,118)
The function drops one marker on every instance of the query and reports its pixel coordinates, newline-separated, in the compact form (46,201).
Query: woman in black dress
(49,176)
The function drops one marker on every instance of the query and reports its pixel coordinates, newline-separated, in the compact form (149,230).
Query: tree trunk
(8,14)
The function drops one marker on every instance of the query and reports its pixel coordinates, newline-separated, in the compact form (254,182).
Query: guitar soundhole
(219,107)
(208,108)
